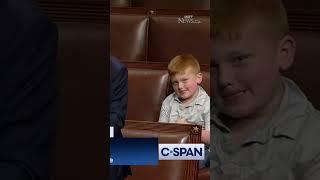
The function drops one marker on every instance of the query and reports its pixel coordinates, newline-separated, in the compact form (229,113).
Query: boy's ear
(287,50)
(199,78)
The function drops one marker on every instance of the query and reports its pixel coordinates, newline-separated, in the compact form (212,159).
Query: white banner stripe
(111,132)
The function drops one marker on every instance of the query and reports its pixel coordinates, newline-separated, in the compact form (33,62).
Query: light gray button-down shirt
(288,148)
(197,112)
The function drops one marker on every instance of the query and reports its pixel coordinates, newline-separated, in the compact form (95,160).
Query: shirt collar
(199,100)
(285,122)
(288,119)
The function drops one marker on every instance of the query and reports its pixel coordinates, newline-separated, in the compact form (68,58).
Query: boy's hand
(205,136)
(182,121)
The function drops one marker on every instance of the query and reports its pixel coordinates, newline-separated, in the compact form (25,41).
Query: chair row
(141,35)
(163,4)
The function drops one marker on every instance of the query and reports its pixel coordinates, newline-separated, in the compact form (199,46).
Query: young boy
(263,126)
(189,104)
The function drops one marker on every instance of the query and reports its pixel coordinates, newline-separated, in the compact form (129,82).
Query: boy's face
(185,84)
(246,73)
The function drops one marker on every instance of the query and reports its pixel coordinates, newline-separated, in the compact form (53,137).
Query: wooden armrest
(204,174)
(166,133)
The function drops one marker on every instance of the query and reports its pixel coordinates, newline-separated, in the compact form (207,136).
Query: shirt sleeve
(29,103)
(164,113)
(119,100)
(207,115)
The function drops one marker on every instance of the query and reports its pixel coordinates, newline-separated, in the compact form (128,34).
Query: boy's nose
(180,85)
(224,77)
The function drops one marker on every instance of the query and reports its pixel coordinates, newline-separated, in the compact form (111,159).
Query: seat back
(120,3)
(173,33)
(176,4)
(129,36)
(147,90)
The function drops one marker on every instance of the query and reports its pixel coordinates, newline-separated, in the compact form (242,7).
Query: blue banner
(134,151)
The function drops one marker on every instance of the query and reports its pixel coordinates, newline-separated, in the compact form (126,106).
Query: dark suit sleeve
(28,100)
(119,100)
(118,110)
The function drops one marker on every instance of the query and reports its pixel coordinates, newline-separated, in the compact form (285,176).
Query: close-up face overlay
(186,84)
(246,71)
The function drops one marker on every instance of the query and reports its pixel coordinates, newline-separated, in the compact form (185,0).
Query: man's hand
(182,121)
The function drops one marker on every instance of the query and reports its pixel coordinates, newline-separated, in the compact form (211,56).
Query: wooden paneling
(304,20)
(70,10)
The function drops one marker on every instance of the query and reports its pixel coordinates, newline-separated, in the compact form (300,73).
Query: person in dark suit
(28,91)
(118,109)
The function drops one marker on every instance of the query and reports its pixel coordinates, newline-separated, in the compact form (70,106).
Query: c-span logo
(181,151)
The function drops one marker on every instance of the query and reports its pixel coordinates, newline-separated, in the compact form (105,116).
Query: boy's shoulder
(309,129)
(203,97)
(301,122)
(170,99)
(305,133)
